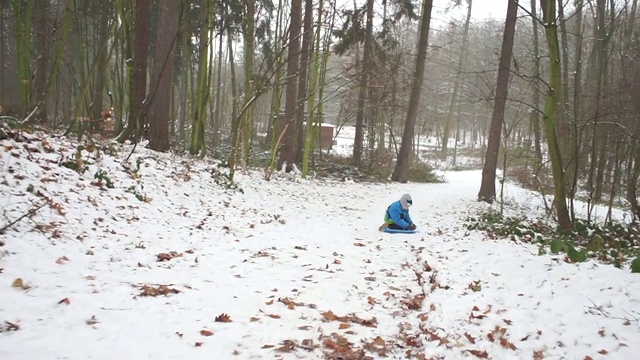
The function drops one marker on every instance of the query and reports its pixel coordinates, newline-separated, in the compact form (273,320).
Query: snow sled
(399,231)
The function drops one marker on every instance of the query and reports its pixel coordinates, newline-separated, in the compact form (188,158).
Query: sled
(399,231)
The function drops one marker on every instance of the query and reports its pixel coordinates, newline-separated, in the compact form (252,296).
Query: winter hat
(406,201)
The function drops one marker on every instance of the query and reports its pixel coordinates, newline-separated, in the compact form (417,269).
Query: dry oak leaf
(359,244)
(603,352)
(470,338)
(150,290)
(507,344)
(198,343)
(206,332)
(225,318)
(371,300)
(344,326)
(64,301)
(9,326)
(267,346)
(274,316)
(480,354)
(538,355)
(19,284)
(253,319)
(287,346)
(62,260)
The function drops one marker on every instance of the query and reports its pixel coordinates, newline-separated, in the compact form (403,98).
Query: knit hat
(406,201)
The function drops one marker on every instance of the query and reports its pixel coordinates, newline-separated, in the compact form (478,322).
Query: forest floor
(156,259)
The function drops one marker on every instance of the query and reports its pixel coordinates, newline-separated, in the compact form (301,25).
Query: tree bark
(162,76)
(358,142)
(287,151)
(9,80)
(137,112)
(303,79)
(456,85)
(42,60)
(554,97)
(401,171)
(487,191)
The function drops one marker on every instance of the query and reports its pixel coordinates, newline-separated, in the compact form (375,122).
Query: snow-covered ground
(288,269)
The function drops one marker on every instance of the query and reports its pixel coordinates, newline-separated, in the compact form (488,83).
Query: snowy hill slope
(155,259)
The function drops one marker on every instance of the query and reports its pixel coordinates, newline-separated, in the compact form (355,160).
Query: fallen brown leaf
(253,319)
(538,354)
(507,344)
(206,332)
(224,318)
(274,316)
(62,260)
(64,301)
(480,354)
(270,302)
(150,290)
(603,352)
(470,338)
(198,343)
(287,346)
(344,326)
(359,244)
(19,284)
(267,346)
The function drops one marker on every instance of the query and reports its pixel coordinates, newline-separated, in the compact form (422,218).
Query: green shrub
(612,244)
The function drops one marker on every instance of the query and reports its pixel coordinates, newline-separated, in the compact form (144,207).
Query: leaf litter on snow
(190,211)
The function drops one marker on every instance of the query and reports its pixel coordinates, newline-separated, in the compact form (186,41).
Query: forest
(548,95)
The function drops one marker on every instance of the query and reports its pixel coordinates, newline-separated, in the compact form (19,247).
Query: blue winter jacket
(397,215)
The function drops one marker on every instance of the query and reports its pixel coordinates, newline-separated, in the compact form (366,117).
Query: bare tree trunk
(96,106)
(9,80)
(41,61)
(137,112)
(535,114)
(401,171)
(358,142)
(456,85)
(287,151)
(487,191)
(303,79)
(162,76)
(554,97)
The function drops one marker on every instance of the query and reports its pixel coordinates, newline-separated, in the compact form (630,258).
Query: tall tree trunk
(249,84)
(554,97)
(217,116)
(315,77)
(9,81)
(401,171)
(41,61)
(456,85)
(535,114)
(287,151)
(137,111)
(97,104)
(162,76)
(198,145)
(358,142)
(487,191)
(303,79)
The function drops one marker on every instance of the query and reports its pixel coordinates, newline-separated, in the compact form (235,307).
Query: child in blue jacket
(397,215)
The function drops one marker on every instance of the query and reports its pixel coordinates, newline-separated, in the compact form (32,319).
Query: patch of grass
(614,244)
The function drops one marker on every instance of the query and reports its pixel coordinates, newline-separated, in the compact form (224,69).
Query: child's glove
(412,226)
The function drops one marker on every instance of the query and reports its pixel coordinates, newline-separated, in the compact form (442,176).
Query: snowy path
(286,270)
